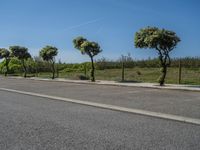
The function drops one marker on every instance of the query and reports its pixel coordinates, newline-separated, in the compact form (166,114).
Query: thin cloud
(99,29)
(83,24)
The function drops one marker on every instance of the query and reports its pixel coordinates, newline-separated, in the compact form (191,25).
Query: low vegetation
(135,71)
(5,54)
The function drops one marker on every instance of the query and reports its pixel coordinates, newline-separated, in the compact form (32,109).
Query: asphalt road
(182,103)
(32,123)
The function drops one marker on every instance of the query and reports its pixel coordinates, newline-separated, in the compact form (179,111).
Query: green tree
(48,53)
(163,41)
(4,53)
(89,48)
(22,54)
(15,66)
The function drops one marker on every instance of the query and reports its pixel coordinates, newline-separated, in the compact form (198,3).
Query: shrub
(83,77)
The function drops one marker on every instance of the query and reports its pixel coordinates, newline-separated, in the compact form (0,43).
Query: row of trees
(163,41)
(21,53)
(49,53)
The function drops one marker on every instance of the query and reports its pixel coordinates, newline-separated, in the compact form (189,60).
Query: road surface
(30,122)
(183,103)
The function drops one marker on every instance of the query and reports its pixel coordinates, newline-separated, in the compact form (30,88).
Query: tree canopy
(79,41)
(48,53)
(86,47)
(20,52)
(4,53)
(155,38)
(90,48)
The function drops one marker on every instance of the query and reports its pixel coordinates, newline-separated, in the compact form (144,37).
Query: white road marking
(132,92)
(112,107)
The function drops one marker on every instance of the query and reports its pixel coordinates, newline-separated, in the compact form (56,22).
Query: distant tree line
(37,64)
(186,62)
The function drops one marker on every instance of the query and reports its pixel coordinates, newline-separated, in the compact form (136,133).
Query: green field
(189,75)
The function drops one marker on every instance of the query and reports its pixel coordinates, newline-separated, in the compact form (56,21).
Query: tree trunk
(53,70)
(7,69)
(163,74)
(92,71)
(24,67)
(165,62)
(57,71)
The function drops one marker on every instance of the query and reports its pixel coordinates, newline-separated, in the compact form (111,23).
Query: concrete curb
(114,83)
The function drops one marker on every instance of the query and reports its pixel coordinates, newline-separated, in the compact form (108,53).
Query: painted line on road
(112,107)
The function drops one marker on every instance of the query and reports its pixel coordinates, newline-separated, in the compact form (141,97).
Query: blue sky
(111,23)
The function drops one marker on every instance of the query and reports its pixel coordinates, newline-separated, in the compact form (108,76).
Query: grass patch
(189,75)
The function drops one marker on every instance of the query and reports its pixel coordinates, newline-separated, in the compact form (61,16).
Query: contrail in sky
(83,24)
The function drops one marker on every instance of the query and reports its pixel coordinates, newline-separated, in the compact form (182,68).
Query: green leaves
(143,38)
(90,48)
(154,38)
(78,42)
(4,53)
(20,52)
(48,53)
(86,47)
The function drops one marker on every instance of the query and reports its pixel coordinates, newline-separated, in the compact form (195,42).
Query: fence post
(179,72)
(122,70)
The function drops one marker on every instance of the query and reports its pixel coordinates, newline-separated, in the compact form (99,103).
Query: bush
(83,77)
(15,68)
(67,70)
(138,73)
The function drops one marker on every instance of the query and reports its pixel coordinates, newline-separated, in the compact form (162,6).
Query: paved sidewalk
(129,84)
